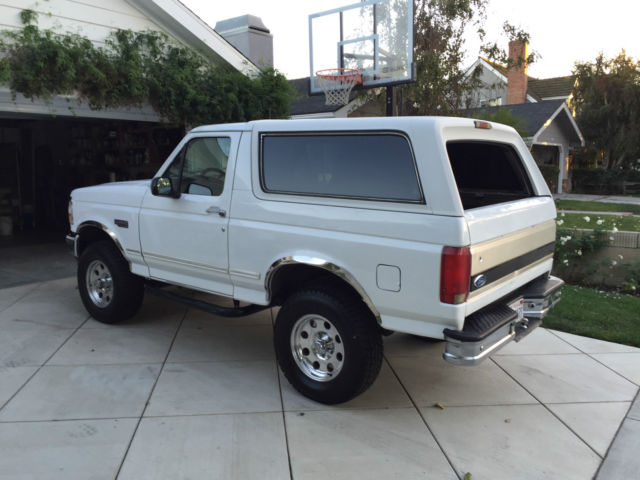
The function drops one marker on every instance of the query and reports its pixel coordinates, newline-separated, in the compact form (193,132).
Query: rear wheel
(109,291)
(328,344)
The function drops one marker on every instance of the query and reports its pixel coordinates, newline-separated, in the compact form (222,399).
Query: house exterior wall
(557,132)
(93,19)
(492,92)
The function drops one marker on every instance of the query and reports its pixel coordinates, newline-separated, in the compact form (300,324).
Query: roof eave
(561,108)
(481,61)
(187,27)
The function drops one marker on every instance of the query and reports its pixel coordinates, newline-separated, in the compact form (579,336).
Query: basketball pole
(390,102)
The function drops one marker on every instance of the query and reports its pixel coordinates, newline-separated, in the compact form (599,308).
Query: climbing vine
(136,68)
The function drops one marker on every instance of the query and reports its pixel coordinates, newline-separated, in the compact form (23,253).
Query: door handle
(217,210)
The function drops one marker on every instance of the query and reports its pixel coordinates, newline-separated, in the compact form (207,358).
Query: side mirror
(162,187)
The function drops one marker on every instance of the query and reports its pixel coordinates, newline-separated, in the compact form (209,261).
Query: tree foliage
(443,83)
(606,99)
(506,117)
(136,68)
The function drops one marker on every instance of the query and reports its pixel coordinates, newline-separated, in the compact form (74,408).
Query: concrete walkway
(176,393)
(597,198)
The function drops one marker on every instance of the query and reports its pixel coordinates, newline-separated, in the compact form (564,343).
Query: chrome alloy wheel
(99,284)
(317,348)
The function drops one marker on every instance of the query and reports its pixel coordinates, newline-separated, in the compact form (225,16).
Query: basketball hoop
(337,83)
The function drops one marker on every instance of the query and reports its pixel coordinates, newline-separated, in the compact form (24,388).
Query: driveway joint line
(81,419)
(39,367)
(549,410)
(613,441)
(284,417)
(146,404)
(590,355)
(22,297)
(424,420)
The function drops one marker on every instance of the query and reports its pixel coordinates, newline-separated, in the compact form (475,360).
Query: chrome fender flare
(325,265)
(104,228)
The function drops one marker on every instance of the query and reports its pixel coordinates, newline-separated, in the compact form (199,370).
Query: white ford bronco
(437,227)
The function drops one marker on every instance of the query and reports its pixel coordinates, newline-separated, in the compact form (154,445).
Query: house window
(492,102)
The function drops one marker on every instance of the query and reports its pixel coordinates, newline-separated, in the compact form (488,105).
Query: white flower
(416,104)
(562,214)
(565,261)
(579,252)
(587,219)
(560,222)
(614,263)
(611,239)
(600,221)
(615,229)
(564,240)
(620,257)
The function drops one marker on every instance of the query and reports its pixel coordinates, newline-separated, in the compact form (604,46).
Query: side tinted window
(370,166)
(201,166)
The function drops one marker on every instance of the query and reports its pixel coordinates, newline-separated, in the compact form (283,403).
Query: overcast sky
(562,31)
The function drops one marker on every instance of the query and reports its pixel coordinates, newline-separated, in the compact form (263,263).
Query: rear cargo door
(510,216)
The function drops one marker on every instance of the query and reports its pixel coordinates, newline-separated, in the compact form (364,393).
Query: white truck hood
(128,193)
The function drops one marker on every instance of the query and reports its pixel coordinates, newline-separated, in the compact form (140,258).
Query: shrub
(600,181)
(134,68)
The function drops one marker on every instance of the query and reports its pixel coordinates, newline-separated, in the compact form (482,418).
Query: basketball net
(337,83)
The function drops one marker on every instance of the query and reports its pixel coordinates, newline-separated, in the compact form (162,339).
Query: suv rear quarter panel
(357,235)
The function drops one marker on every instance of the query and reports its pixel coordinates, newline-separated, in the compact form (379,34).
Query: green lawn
(610,316)
(597,206)
(579,220)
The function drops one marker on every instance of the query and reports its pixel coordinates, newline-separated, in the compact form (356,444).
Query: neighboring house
(48,148)
(493,91)
(552,133)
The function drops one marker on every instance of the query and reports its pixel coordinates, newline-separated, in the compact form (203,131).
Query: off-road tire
(358,337)
(126,291)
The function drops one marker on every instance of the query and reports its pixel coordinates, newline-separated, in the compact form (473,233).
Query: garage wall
(93,19)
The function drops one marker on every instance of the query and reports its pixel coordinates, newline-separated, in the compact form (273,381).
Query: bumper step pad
(490,329)
(482,324)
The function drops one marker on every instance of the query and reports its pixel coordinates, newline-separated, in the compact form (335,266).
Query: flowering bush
(576,263)
(573,245)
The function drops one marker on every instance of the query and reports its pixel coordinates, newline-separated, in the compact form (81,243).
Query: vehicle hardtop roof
(338,124)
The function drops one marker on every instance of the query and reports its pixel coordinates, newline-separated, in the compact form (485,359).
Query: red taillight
(455,271)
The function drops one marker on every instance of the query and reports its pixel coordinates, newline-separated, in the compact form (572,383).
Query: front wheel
(328,344)
(109,291)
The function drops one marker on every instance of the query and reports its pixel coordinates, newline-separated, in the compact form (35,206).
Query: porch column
(562,165)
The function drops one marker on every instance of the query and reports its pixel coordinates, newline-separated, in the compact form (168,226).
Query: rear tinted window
(366,166)
(488,173)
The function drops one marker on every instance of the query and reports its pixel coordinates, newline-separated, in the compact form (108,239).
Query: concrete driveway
(176,393)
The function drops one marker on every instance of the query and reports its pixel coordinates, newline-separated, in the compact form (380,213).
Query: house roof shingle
(540,88)
(552,87)
(534,115)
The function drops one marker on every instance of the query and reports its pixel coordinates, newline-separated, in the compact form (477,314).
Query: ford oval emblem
(480,281)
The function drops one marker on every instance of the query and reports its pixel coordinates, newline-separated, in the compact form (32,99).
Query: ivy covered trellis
(137,68)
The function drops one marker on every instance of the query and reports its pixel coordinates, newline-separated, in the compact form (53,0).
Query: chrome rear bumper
(488,331)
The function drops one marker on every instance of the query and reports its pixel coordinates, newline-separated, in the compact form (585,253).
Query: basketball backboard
(373,36)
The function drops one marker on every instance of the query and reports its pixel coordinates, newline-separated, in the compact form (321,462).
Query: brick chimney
(517,80)
(249,35)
